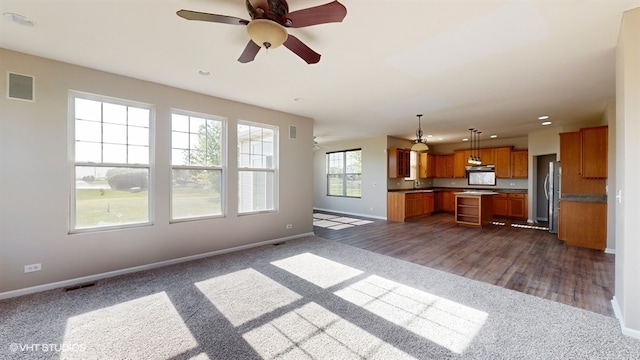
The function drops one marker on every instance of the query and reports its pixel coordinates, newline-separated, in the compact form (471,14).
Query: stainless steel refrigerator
(552,191)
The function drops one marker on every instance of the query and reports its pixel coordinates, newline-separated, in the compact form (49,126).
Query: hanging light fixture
(474,147)
(419,144)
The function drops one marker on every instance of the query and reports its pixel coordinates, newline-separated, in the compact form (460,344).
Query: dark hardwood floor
(522,259)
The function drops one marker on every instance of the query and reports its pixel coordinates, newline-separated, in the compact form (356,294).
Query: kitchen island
(474,208)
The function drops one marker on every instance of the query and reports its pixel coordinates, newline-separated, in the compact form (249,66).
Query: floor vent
(278,244)
(81,286)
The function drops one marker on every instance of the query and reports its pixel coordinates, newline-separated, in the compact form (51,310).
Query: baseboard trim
(109,274)
(610,251)
(351,213)
(625,330)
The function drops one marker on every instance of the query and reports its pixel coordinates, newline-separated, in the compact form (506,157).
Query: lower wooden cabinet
(510,205)
(402,206)
(583,224)
(444,201)
(475,210)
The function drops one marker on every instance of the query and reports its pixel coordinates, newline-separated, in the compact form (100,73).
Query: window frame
(222,167)
(73,164)
(343,173)
(274,169)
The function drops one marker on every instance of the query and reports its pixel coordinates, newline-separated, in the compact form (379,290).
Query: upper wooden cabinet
(572,181)
(460,158)
(503,162)
(488,156)
(520,164)
(426,166)
(594,152)
(444,166)
(399,162)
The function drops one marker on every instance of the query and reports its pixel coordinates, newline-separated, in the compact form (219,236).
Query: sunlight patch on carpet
(335,222)
(446,323)
(310,330)
(131,329)
(317,270)
(245,295)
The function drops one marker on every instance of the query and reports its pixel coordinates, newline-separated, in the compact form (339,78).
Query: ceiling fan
(269,20)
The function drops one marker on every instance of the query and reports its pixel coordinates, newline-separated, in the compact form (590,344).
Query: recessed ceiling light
(545,123)
(440,138)
(18,19)
(493,136)
(543,117)
(465,139)
(429,136)
(204,72)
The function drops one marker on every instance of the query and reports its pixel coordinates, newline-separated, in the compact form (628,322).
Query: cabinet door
(572,181)
(520,164)
(501,205)
(448,201)
(448,166)
(503,162)
(594,152)
(583,224)
(426,166)
(517,206)
(428,205)
(488,156)
(437,201)
(399,162)
(460,158)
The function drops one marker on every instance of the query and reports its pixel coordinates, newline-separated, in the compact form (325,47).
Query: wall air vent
(292,132)
(20,87)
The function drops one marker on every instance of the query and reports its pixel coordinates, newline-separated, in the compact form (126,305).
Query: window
(257,160)
(344,173)
(111,157)
(197,155)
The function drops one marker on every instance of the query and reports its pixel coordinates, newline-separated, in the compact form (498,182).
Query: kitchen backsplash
(400,184)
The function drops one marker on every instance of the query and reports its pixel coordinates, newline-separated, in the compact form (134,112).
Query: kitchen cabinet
(399,161)
(572,181)
(460,159)
(444,166)
(520,164)
(583,224)
(488,156)
(444,201)
(594,152)
(475,210)
(405,205)
(510,205)
(426,166)
(503,162)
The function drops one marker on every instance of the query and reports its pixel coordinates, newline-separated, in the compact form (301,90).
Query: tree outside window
(344,173)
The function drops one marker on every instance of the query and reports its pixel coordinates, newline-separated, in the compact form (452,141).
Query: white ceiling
(495,65)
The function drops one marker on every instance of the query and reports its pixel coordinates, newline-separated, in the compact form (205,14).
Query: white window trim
(72,95)
(223,167)
(274,169)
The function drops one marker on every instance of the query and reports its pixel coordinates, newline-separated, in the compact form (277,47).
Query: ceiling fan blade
(327,13)
(200,16)
(249,53)
(302,50)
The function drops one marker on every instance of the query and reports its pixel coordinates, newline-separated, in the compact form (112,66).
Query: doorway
(542,172)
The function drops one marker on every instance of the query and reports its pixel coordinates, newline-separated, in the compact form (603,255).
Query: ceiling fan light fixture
(266,33)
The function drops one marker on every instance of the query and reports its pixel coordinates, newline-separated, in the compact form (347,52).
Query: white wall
(627,267)
(373,202)
(35,180)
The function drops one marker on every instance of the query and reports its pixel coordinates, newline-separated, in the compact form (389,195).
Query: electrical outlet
(32,268)
(289,226)
(371,208)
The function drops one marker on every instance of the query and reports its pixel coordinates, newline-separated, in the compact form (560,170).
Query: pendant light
(474,147)
(419,144)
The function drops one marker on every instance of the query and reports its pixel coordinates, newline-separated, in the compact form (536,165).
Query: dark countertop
(436,189)
(584,198)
